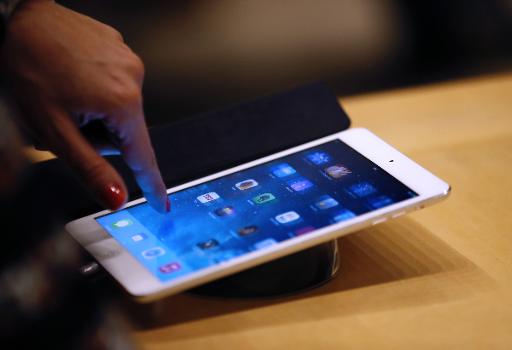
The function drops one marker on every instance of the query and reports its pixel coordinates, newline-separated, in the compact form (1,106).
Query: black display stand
(291,274)
(215,141)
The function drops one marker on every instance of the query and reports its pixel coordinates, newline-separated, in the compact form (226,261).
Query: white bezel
(139,282)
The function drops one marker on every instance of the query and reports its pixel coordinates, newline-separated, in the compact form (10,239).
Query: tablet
(257,212)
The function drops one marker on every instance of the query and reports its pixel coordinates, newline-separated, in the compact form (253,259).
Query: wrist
(21,16)
(7,8)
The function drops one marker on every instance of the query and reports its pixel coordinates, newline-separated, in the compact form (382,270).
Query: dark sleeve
(44,302)
(7,7)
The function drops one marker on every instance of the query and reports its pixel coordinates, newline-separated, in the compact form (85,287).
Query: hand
(66,70)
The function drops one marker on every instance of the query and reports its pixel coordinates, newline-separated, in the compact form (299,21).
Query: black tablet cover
(210,142)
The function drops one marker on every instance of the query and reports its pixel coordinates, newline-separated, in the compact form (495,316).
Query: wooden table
(439,278)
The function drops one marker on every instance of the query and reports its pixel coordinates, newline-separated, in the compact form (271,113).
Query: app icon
(343,215)
(122,223)
(287,217)
(209,244)
(263,198)
(318,158)
(139,237)
(303,230)
(337,171)
(153,252)
(282,170)
(326,202)
(226,211)
(227,255)
(362,189)
(265,243)
(246,184)
(247,230)
(300,184)
(380,202)
(171,267)
(208,197)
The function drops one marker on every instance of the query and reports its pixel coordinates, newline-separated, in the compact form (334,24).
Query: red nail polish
(113,196)
(167,205)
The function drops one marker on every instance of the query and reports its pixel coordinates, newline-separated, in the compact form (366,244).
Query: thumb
(66,141)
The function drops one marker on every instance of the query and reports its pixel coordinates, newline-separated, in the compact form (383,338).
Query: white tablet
(257,212)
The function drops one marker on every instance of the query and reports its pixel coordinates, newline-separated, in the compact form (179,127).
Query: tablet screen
(253,209)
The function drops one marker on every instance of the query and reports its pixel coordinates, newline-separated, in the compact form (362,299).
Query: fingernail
(113,196)
(167,205)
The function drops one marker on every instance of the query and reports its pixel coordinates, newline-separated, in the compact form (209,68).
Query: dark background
(202,55)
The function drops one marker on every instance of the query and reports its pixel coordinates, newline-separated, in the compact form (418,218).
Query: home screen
(253,209)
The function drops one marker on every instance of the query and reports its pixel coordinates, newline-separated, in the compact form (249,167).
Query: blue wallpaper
(253,209)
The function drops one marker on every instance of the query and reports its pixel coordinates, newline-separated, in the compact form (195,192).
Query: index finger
(138,154)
